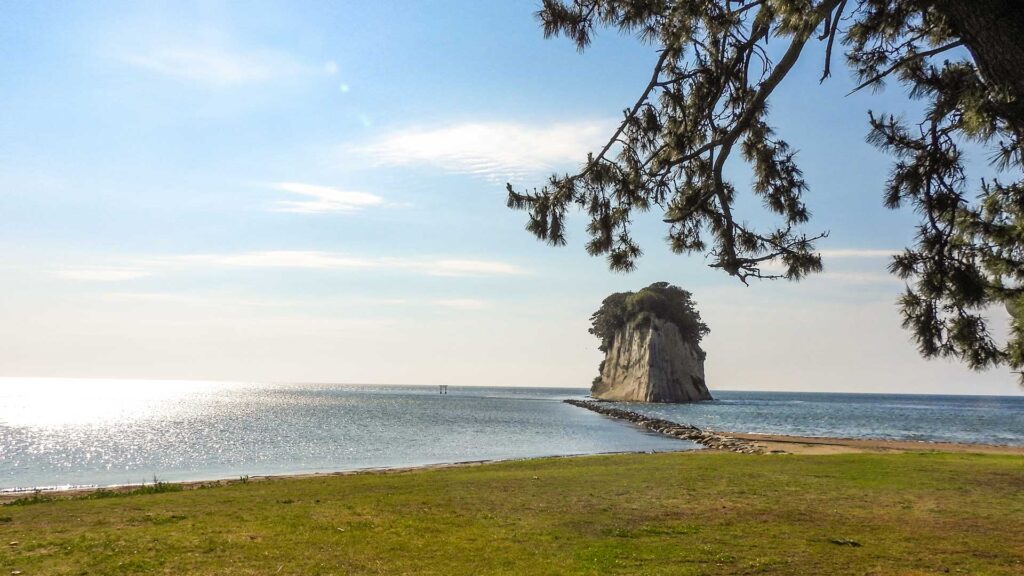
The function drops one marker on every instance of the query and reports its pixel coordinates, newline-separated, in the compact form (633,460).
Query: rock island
(651,340)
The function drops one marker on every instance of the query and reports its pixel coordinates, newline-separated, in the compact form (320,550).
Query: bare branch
(831,31)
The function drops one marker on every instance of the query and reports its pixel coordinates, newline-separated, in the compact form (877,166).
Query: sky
(314,192)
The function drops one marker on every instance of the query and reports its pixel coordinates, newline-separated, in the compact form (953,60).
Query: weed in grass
(158,487)
(36,498)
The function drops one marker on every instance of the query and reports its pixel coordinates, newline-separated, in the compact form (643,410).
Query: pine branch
(905,61)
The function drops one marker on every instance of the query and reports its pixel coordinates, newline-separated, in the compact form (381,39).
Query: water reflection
(69,432)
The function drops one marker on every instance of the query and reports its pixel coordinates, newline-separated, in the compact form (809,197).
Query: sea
(67,433)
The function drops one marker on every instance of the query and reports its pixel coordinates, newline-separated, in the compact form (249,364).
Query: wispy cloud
(293,260)
(324,199)
(222,300)
(490,149)
(319,260)
(297,259)
(161,297)
(848,253)
(222,67)
(852,263)
(462,304)
(195,298)
(472,268)
(859,277)
(102,274)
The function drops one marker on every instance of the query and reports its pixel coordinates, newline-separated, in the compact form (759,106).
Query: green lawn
(706,513)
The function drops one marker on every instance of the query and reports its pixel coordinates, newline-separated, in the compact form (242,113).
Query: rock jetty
(707,438)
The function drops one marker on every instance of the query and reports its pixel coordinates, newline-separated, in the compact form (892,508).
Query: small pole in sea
(442,389)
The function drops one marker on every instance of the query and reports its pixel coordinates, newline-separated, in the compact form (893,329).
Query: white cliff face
(650,362)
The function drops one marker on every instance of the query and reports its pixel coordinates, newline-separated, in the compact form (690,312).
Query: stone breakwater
(705,438)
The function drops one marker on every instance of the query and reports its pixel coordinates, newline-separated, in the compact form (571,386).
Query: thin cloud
(319,260)
(192,298)
(493,150)
(840,254)
(462,304)
(849,253)
(294,260)
(161,297)
(222,299)
(323,199)
(102,274)
(472,268)
(859,277)
(220,67)
(843,277)
(298,259)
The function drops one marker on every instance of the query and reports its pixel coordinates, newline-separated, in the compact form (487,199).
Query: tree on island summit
(660,300)
(706,102)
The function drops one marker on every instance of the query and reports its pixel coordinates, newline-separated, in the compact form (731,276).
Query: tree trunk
(993,32)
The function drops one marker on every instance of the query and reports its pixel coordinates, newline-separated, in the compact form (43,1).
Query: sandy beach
(821,445)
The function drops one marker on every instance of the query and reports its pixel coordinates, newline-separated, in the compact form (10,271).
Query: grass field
(706,513)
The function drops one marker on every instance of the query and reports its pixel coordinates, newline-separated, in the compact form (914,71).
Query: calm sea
(60,433)
(941,418)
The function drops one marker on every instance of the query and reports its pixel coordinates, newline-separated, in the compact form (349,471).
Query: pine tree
(708,95)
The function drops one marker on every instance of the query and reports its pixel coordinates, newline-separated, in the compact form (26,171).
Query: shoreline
(752,443)
(830,445)
(770,444)
(58,492)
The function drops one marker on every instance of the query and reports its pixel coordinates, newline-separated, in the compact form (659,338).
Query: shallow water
(60,433)
(971,419)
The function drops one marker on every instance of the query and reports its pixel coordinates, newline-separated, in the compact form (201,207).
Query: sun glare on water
(57,402)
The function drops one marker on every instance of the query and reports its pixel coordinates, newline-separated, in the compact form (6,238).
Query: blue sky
(315,192)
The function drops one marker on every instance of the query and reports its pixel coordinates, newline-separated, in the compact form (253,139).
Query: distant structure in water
(442,389)
(651,340)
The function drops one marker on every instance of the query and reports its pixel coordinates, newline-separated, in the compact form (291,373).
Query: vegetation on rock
(660,300)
